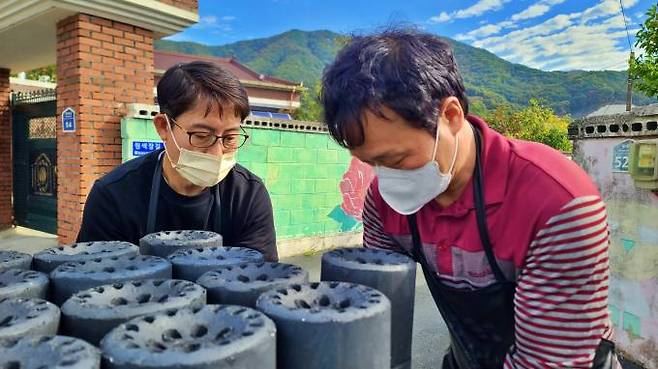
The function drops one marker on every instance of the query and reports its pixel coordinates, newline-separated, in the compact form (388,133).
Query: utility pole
(629,91)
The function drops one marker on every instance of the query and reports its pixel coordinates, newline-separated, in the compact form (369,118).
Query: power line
(628,36)
(629,89)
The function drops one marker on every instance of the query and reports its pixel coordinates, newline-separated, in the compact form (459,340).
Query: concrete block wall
(632,214)
(600,146)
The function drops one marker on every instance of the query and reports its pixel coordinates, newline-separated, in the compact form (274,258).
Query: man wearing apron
(512,237)
(195,182)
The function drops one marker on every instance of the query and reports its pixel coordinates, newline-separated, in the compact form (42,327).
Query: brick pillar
(6,163)
(102,65)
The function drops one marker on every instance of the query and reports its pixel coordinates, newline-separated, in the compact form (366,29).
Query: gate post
(102,65)
(6,170)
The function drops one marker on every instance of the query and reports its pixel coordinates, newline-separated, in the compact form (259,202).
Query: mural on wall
(353,188)
(632,214)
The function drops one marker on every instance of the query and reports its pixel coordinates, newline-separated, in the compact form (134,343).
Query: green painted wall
(301,171)
(135,131)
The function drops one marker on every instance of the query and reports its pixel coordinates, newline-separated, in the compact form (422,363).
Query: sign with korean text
(144,147)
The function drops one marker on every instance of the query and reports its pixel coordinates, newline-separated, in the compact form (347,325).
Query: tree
(310,109)
(536,122)
(645,67)
(34,74)
(50,71)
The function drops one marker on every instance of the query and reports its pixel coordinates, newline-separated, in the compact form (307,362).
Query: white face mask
(203,170)
(408,190)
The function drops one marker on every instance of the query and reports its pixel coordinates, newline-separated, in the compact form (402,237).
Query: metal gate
(34,123)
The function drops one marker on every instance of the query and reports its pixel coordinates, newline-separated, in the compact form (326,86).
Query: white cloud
(218,24)
(208,20)
(554,24)
(484,31)
(593,39)
(481,7)
(180,36)
(536,10)
(605,8)
(441,18)
(475,10)
(533,11)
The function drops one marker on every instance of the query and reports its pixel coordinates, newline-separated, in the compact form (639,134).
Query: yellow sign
(646,156)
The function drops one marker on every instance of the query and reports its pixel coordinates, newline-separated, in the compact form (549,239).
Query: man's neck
(464,167)
(177,183)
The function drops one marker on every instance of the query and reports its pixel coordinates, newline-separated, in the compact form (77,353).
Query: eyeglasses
(204,140)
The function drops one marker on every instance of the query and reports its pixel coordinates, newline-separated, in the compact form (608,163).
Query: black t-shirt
(117,208)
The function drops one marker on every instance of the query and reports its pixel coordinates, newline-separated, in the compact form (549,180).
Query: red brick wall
(6,179)
(101,66)
(189,5)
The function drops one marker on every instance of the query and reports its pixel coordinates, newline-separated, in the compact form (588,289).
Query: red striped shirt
(549,232)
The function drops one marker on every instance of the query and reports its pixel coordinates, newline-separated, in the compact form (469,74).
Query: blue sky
(543,34)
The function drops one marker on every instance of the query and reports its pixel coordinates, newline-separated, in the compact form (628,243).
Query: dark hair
(183,84)
(407,71)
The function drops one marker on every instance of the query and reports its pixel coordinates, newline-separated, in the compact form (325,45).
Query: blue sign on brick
(144,147)
(68,120)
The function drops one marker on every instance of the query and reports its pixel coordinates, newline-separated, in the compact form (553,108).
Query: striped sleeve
(374,235)
(561,302)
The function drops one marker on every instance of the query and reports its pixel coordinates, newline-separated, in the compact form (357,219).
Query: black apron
(155,196)
(481,322)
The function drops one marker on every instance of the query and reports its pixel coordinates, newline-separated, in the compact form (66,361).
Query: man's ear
(451,112)
(160,123)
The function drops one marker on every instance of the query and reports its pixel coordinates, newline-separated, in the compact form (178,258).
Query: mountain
(490,80)
(294,55)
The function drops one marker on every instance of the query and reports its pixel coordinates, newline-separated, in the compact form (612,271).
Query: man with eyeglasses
(195,182)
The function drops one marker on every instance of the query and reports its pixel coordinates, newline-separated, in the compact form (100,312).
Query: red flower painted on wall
(354,187)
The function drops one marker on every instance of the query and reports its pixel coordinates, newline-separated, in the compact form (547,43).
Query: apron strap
(217,220)
(435,290)
(480,212)
(416,247)
(154,197)
(431,277)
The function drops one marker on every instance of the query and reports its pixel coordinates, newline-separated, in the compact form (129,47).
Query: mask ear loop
(436,140)
(436,145)
(454,156)
(171,131)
